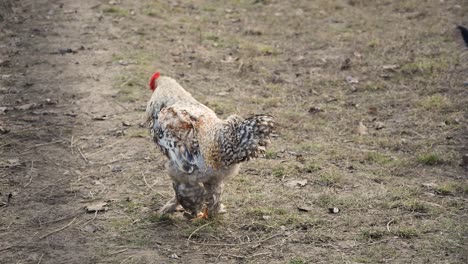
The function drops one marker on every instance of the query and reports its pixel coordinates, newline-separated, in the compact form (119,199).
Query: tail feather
(246,139)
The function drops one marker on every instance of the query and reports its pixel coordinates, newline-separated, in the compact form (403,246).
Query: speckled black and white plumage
(202,150)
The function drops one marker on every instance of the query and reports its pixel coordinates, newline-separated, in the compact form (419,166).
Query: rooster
(202,150)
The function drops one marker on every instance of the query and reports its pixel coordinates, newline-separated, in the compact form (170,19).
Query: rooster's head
(152,82)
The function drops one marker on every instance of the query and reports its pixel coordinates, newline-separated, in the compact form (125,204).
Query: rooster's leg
(190,195)
(214,192)
(203,214)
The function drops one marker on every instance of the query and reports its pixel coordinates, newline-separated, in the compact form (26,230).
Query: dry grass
(290,63)
(400,188)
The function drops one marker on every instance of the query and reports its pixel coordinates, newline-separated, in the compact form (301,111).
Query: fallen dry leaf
(429,185)
(96,207)
(361,129)
(296,183)
(379,125)
(266,217)
(351,80)
(25,107)
(391,67)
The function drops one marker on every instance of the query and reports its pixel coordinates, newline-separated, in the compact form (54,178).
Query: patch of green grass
(270,154)
(451,188)
(127,94)
(373,43)
(426,66)
(150,13)
(296,260)
(413,205)
(318,237)
(137,237)
(119,223)
(204,227)
(156,218)
(115,10)
(309,146)
(373,86)
(378,158)
(219,107)
(267,50)
(406,232)
(431,159)
(312,167)
(373,233)
(279,172)
(327,200)
(436,101)
(330,178)
(376,253)
(256,49)
(117,57)
(261,211)
(137,133)
(402,193)
(446,189)
(131,207)
(212,37)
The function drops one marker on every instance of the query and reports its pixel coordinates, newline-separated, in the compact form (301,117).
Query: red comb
(152,82)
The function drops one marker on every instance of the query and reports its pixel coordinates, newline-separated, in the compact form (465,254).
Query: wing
(174,131)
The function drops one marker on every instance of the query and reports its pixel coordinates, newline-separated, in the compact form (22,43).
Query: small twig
(8,227)
(82,156)
(92,219)
(151,188)
(6,248)
(120,251)
(373,243)
(238,244)
(104,148)
(40,145)
(126,259)
(388,225)
(58,230)
(380,241)
(40,259)
(194,231)
(119,104)
(74,214)
(237,256)
(71,145)
(30,172)
(416,133)
(124,83)
(6,144)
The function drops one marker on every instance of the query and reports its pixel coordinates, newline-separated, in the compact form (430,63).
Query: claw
(203,214)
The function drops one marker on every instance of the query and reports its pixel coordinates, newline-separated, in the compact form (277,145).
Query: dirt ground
(369,97)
